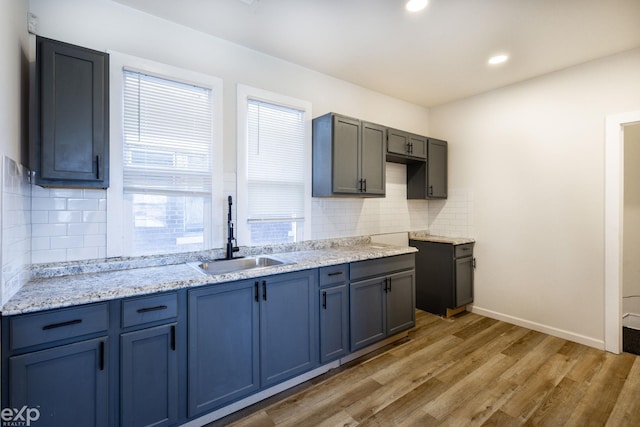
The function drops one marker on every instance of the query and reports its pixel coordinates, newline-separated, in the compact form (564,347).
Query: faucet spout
(230,237)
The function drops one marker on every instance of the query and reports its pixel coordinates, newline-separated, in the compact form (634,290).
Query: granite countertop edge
(46,293)
(425,237)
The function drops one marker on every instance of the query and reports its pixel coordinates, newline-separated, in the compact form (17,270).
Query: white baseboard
(631,320)
(560,333)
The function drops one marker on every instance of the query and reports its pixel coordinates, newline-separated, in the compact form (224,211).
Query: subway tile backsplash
(71,225)
(453,217)
(68,224)
(344,217)
(16,228)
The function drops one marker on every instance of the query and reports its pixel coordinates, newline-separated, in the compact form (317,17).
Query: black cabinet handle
(361,185)
(147,309)
(474,263)
(101,356)
(365,185)
(257,291)
(173,337)
(264,290)
(389,279)
(386,285)
(335,273)
(324,300)
(61,324)
(98,166)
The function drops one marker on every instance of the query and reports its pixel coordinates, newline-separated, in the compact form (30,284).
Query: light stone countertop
(93,284)
(425,237)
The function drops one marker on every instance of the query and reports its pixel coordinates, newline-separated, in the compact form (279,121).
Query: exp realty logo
(19,417)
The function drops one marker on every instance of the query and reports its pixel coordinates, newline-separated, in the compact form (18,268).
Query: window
(167,157)
(273,170)
(167,148)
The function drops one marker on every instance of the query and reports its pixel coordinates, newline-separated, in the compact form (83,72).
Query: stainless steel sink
(236,264)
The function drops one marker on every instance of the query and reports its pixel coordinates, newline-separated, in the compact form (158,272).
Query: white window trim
(244,94)
(116,236)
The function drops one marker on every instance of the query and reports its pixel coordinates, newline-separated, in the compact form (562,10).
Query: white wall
(533,156)
(104,25)
(631,227)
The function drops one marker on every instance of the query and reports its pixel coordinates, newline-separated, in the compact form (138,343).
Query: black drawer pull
(264,290)
(61,324)
(173,337)
(324,300)
(147,309)
(101,356)
(335,273)
(257,291)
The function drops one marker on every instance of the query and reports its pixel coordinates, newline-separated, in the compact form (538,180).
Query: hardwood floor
(470,370)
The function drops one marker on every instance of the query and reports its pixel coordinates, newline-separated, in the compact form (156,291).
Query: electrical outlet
(32,23)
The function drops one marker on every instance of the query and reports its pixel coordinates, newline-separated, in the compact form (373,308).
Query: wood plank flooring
(466,371)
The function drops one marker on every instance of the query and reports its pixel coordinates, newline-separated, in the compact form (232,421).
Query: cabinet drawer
(334,274)
(464,250)
(39,328)
(381,266)
(137,311)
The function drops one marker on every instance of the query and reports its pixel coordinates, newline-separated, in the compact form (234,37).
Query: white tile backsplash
(453,217)
(338,217)
(68,224)
(16,228)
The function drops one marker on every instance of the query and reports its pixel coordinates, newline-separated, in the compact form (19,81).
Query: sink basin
(236,264)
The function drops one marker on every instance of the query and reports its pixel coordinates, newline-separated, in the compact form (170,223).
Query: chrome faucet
(230,238)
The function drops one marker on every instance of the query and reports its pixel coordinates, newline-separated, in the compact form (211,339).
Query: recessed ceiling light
(498,59)
(416,5)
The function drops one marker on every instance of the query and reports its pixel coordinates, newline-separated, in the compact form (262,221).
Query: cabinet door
(223,345)
(418,146)
(368,312)
(334,322)
(149,377)
(373,159)
(73,115)
(288,327)
(68,384)
(346,155)
(397,142)
(464,281)
(401,308)
(437,169)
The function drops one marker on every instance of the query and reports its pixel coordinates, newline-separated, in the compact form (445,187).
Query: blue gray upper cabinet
(429,180)
(348,157)
(403,146)
(71,147)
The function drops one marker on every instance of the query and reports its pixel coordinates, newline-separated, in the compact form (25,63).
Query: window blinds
(276,162)
(167,136)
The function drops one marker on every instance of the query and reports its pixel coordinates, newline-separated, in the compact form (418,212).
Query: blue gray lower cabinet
(149,377)
(381,306)
(68,384)
(247,335)
(288,326)
(334,322)
(166,358)
(368,312)
(223,345)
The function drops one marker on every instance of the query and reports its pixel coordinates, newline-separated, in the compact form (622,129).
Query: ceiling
(429,58)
